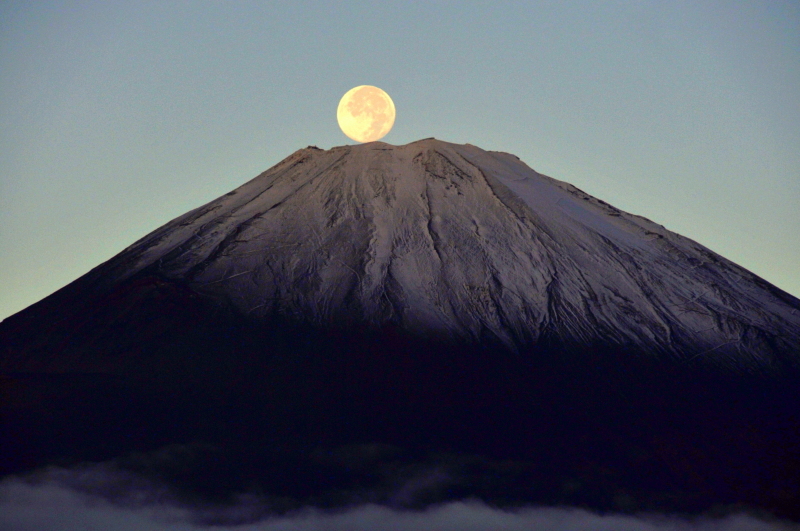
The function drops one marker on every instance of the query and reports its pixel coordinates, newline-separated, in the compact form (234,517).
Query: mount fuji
(355,319)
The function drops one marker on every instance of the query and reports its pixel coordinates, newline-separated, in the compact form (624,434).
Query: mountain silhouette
(354,319)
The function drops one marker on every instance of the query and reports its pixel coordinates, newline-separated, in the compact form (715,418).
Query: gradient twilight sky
(116,117)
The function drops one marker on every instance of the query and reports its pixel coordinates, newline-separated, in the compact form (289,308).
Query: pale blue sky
(116,117)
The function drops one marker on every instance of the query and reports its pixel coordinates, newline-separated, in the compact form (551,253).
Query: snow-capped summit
(456,242)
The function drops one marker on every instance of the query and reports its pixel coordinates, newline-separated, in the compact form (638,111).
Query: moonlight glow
(366,113)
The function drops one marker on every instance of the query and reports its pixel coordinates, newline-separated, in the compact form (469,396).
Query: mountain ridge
(394,235)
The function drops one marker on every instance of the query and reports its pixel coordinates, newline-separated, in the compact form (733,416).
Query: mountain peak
(502,328)
(451,241)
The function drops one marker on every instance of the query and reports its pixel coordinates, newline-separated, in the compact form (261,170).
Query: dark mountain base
(303,416)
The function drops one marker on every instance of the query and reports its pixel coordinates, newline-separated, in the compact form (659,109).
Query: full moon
(365,113)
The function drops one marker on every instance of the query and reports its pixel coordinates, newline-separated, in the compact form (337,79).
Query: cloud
(101,497)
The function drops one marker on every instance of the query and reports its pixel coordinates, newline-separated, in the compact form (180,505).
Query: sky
(116,117)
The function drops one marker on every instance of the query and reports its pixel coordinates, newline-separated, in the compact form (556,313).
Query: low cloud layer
(104,498)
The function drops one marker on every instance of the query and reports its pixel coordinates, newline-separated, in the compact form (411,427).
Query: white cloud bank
(51,503)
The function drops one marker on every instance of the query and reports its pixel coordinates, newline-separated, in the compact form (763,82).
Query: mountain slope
(455,242)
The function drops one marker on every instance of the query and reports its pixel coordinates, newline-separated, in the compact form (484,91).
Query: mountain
(355,315)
